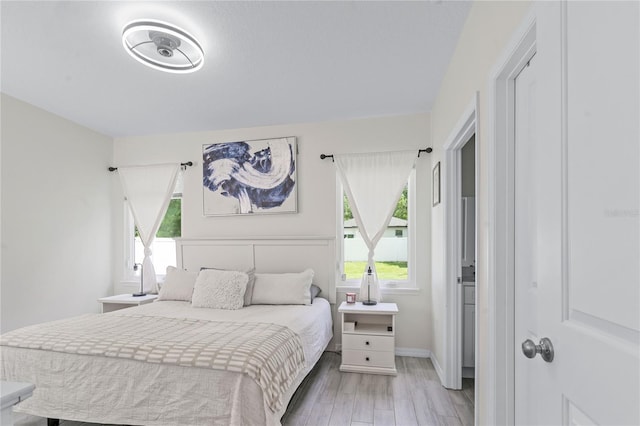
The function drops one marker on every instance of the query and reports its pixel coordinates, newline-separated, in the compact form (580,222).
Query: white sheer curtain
(373,183)
(148,190)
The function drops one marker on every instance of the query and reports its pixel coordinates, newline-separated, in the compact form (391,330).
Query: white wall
(56,222)
(487,31)
(316,192)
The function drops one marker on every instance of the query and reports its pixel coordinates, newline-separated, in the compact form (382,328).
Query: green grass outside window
(391,271)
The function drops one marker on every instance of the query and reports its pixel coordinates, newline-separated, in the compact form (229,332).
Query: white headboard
(266,254)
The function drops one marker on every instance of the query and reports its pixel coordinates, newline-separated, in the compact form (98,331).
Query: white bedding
(107,390)
(311,323)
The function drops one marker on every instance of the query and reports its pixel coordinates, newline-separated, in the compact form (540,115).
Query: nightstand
(368,338)
(121,301)
(12,393)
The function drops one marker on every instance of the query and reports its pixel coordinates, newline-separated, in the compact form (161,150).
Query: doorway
(467,271)
(459,187)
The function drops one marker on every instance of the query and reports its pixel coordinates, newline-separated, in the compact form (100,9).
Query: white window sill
(136,279)
(384,290)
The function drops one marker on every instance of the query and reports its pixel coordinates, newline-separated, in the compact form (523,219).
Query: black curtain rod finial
(428,150)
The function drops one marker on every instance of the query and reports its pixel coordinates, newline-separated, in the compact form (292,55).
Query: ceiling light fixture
(162,46)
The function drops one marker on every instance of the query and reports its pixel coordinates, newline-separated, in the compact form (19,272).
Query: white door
(530,375)
(577,252)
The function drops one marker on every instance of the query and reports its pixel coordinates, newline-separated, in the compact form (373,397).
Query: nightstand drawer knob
(366,343)
(366,359)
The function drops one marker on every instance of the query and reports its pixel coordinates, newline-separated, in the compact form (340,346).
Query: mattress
(103,389)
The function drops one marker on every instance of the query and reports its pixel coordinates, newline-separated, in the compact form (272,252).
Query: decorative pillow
(219,289)
(178,285)
(252,279)
(283,289)
(315,291)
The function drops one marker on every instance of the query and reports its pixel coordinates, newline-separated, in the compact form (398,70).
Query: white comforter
(107,390)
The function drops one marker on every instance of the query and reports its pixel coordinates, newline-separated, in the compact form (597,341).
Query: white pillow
(283,289)
(252,279)
(219,289)
(178,285)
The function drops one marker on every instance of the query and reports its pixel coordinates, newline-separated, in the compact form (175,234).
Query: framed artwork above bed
(249,177)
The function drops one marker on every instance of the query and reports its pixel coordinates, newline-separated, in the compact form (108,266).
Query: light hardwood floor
(332,398)
(413,397)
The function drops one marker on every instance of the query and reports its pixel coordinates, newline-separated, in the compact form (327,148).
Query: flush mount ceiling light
(162,46)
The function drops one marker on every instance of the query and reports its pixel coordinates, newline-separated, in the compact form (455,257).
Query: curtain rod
(183,165)
(427,150)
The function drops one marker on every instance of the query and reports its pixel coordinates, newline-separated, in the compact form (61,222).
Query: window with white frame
(163,247)
(394,251)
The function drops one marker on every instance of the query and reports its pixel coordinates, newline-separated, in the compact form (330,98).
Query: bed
(169,363)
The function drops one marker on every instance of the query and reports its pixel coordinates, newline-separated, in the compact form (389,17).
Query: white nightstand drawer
(367,343)
(368,358)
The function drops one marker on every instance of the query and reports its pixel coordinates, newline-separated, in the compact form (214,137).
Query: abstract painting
(249,177)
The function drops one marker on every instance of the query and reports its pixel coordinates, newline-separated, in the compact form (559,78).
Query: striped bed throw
(270,354)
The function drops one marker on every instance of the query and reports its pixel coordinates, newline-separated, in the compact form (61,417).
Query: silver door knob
(545,349)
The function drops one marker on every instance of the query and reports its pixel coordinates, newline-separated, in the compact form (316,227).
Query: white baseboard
(438,369)
(412,352)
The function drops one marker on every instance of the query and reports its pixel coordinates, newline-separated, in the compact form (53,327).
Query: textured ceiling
(265,62)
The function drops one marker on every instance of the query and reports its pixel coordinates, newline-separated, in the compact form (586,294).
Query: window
(393,252)
(163,247)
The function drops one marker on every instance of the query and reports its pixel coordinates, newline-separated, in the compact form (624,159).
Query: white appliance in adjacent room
(468,231)
(468,256)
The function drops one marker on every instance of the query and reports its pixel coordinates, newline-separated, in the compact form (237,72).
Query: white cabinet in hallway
(469,329)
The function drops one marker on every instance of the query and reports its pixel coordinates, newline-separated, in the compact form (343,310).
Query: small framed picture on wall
(435,182)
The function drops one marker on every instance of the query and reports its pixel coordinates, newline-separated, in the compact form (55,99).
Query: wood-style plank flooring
(413,397)
(329,397)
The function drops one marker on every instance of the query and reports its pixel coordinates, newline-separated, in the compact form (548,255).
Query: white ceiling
(265,62)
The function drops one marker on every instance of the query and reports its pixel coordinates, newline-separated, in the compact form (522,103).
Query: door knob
(545,349)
